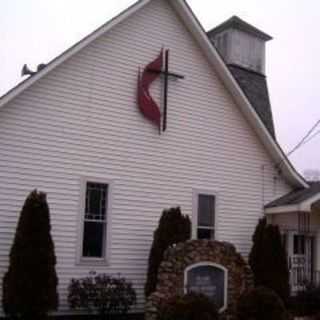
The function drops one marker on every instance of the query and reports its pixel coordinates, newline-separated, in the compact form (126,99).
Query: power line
(303,140)
(310,138)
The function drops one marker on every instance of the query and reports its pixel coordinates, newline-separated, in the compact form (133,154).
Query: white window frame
(195,202)
(210,264)
(93,261)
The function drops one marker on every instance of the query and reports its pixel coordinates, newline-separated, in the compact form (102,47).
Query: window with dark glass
(299,244)
(206,216)
(94,228)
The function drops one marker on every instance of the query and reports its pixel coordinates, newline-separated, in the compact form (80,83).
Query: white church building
(113,140)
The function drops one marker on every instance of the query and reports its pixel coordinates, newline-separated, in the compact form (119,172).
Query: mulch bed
(92,317)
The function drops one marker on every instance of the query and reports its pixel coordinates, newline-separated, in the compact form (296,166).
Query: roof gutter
(303,206)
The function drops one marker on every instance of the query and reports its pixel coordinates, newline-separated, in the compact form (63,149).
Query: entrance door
(301,259)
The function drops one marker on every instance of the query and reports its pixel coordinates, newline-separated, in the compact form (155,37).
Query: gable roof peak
(184,11)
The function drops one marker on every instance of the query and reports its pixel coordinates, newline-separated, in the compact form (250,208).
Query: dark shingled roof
(254,86)
(316,206)
(237,23)
(296,196)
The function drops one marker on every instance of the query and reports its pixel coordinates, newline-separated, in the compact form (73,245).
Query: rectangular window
(299,244)
(206,216)
(95,220)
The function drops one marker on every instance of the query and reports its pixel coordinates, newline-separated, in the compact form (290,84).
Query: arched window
(209,279)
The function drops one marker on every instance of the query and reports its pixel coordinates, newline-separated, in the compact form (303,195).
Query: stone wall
(178,258)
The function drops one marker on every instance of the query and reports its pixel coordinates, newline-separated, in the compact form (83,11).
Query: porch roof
(295,201)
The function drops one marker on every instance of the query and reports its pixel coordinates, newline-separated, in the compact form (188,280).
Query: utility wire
(303,141)
(310,138)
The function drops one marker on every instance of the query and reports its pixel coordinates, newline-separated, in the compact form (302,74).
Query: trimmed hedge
(307,302)
(261,304)
(191,306)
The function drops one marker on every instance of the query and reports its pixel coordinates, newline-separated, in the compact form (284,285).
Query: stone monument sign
(210,267)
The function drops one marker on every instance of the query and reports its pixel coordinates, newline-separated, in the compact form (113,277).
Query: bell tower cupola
(241,44)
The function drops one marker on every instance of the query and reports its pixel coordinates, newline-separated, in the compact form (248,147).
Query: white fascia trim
(304,206)
(214,58)
(6,98)
(282,209)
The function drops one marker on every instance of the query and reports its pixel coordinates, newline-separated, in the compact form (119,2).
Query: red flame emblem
(147,105)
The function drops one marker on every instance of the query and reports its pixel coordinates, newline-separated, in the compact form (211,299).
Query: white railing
(301,276)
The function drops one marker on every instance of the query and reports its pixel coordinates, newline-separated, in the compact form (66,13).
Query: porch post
(317,254)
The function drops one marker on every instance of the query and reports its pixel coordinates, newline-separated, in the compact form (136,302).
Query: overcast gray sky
(35,31)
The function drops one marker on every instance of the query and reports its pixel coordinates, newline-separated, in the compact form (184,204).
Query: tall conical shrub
(268,260)
(30,284)
(256,256)
(173,227)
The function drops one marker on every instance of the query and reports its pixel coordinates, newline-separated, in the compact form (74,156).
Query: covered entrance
(298,217)
(301,259)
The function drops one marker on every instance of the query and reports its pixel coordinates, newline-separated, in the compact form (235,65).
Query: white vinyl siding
(82,120)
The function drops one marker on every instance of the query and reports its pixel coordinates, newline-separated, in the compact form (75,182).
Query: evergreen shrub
(261,304)
(268,260)
(30,284)
(307,302)
(191,306)
(173,227)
